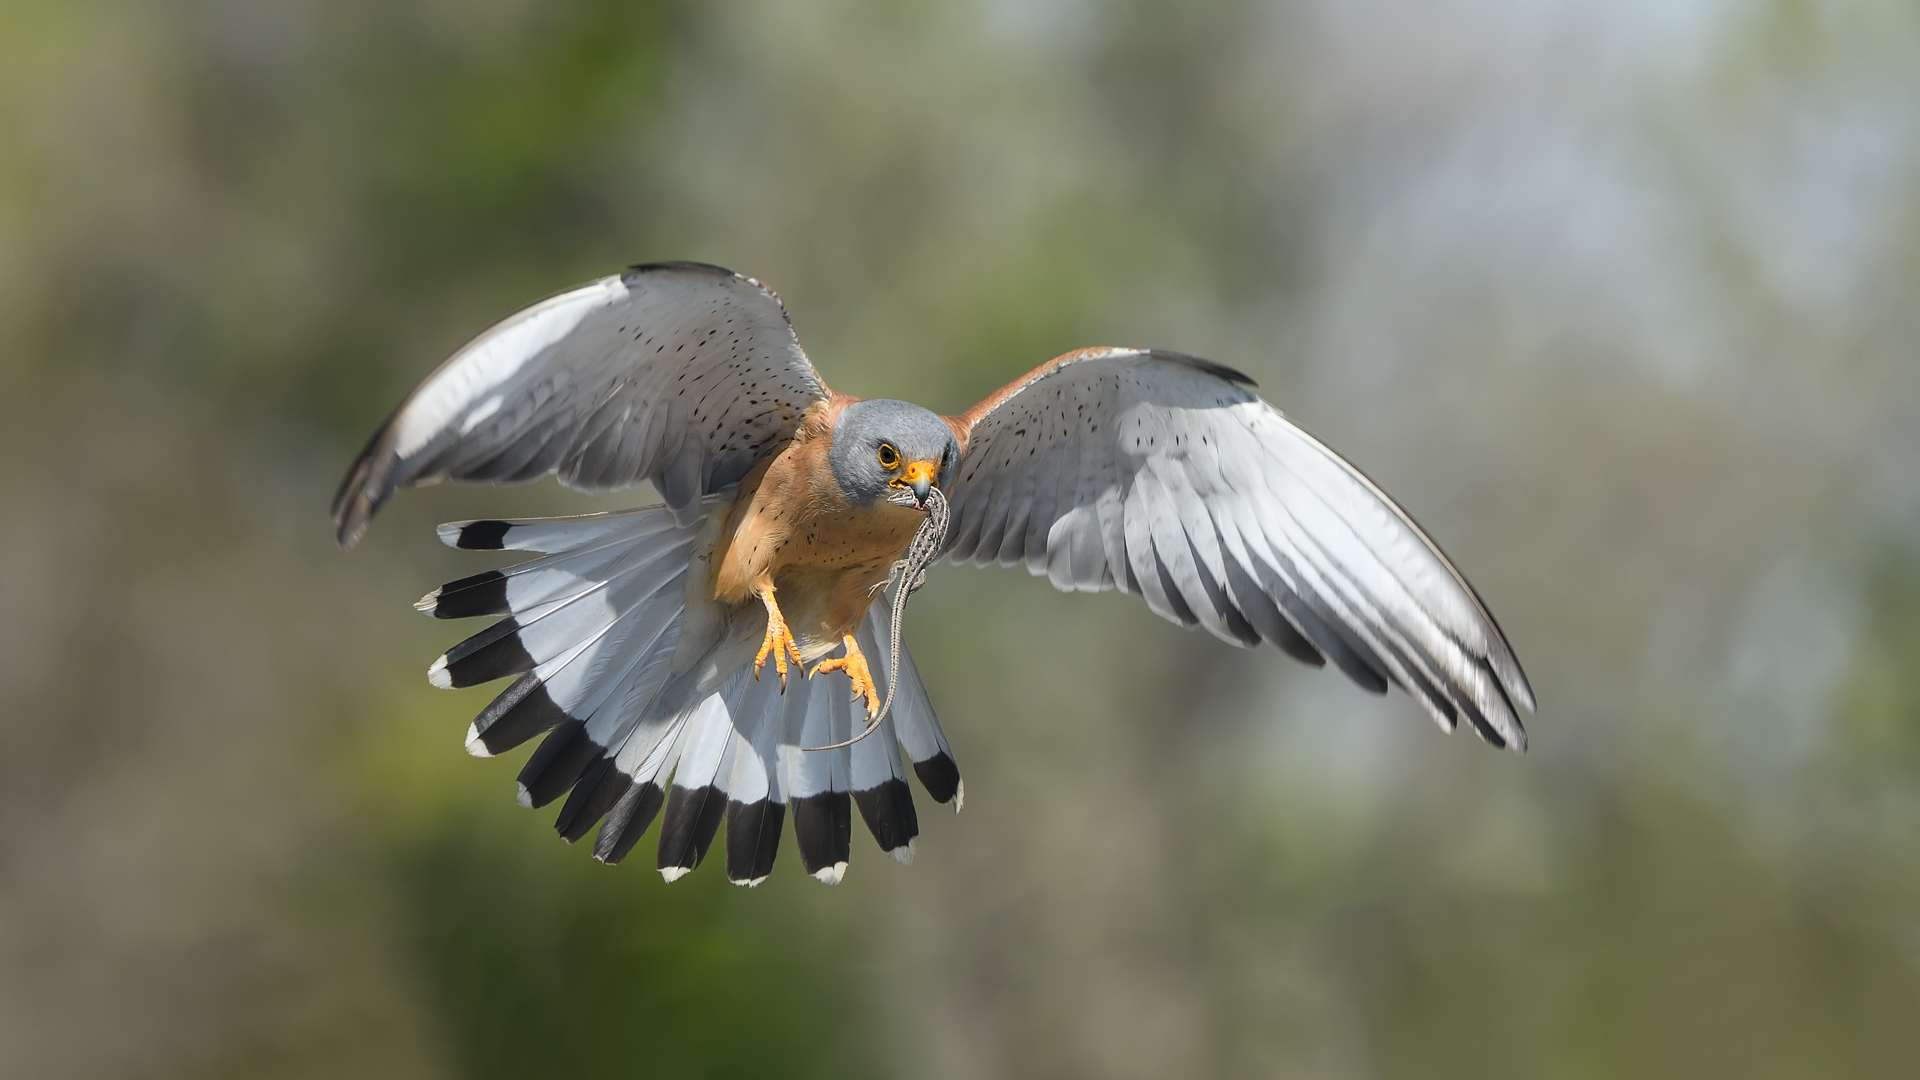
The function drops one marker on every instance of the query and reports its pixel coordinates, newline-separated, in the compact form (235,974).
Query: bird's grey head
(891,450)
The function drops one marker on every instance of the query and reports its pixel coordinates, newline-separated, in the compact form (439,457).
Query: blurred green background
(1618,296)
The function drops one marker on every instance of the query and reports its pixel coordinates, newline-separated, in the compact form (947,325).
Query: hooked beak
(919,477)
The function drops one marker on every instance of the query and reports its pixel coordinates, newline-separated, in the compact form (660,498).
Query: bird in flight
(637,639)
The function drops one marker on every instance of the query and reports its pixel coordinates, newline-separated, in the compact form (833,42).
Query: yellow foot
(854,663)
(779,642)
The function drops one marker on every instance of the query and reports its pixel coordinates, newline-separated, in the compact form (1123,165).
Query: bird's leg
(854,663)
(779,641)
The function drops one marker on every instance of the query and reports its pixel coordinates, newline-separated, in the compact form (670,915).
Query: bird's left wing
(1162,475)
(681,374)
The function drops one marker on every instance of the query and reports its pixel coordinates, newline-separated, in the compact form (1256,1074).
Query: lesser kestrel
(638,638)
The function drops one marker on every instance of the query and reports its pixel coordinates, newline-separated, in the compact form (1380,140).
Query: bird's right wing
(681,374)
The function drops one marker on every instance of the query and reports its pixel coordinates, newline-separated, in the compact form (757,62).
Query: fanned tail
(645,692)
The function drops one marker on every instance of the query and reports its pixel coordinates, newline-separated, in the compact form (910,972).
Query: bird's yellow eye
(889,457)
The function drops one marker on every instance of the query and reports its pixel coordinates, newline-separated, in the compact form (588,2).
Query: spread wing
(1160,474)
(679,373)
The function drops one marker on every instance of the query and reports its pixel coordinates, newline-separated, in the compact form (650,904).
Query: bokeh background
(1620,297)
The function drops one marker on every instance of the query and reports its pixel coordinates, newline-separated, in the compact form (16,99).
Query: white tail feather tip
(674,873)
(830,875)
(959,795)
(474,745)
(437,674)
(427,603)
(522,796)
(903,854)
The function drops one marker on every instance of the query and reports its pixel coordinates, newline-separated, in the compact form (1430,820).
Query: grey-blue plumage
(1151,472)
(1163,475)
(867,428)
(636,725)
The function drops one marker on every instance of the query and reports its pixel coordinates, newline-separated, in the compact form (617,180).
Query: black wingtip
(687,828)
(483,535)
(347,533)
(753,839)
(1485,730)
(361,491)
(482,594)
(521,712)
(493,653)
(823,829)
(352,510)
(888,812)
(940,776)
(639,269)
(558,762)
(679,264)
(597,793)
(627,822)
(1212,367)
(1517,742)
